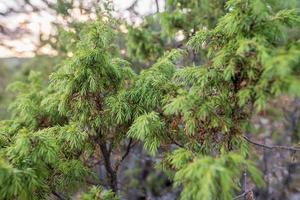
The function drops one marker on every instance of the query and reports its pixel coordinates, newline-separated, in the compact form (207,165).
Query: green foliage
(149,129)
(250,62)
(145,42)
(137,105)
(171,28)
(153,83)
(28,108)
(190,16)
(212,178)
(283,70)
(95,103)
(98,193)
(62,7)
(179,158)
(43,144)
(147,91)
(85,80)
(241,49)
(34,156)
(20,182)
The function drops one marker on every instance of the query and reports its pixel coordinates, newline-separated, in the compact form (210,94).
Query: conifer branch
(276,147)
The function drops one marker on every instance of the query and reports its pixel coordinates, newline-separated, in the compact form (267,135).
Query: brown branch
(128,148)
(243,194)
(93,182)
(174,141)
(157,6)
(34,8)
(276,147)
(110,147)
(131,8)
(106,157)
(58,195)
(112,174)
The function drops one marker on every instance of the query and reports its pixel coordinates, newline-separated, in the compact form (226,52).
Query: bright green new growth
(90,76)
(35,156)
(96,107)
(45,148)
(216,100)
(201,177)
(99,193)
(149,129)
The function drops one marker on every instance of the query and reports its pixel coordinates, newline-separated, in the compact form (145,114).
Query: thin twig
(128,148)
(174,141)
(243,194)
(94,182)
(58,195)
(276,147)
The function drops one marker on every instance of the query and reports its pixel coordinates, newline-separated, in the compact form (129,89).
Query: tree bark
(111,173)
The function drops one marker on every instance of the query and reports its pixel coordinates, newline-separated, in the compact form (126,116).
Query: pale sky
(42,23)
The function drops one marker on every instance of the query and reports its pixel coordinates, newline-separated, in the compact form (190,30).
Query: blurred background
(39,34)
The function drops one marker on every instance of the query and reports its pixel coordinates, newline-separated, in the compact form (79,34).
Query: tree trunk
(111,173)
